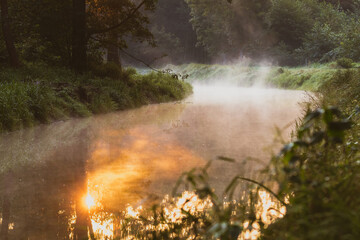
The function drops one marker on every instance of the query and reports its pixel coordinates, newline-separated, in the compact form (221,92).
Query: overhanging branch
(130,55)
(128,17)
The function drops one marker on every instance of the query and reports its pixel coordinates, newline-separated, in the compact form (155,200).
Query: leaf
(301,143)
(317,137)
(313,115)
(287,148)
(257,183)
(231,187)
(335,111)
(235,231)
(339,126)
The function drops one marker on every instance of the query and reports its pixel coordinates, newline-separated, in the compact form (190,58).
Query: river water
(135,157)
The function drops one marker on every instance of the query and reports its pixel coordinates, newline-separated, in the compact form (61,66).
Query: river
(134,157)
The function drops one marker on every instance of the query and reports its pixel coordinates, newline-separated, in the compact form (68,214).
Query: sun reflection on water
(117,178)
(109,226)
(89,201)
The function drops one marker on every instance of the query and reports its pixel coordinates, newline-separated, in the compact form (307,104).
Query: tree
(72,32)
(345,4)
(211,21)
(112,23)
(79,41)
(290,20)
(8,36)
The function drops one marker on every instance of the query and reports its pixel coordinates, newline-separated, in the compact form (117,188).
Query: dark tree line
(288,32)
(72,32)
(8,35)
(82,33)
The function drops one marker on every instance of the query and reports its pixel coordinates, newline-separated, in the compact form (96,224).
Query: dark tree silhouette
(8,37)
(79,41)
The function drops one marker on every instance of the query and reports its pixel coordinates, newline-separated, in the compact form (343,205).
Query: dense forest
(287,32)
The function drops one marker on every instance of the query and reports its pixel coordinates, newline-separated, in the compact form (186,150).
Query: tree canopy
(177,31)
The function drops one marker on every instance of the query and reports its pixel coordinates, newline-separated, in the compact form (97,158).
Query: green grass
(230,74)
(309,78)
(39,93)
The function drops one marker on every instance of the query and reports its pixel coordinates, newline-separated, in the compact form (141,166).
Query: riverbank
(37,93)
(308,78)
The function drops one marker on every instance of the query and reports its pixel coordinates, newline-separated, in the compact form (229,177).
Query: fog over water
(136,156)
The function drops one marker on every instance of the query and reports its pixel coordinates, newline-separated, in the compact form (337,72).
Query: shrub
(110,69)
(345,62)
(320,44)
(291,20)
(318,174)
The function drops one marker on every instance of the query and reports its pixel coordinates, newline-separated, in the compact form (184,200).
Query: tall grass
(38,93)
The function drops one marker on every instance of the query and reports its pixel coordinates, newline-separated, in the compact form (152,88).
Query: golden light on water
(89,201)
(129,169)
(105,224)
(119,178)
(103,229)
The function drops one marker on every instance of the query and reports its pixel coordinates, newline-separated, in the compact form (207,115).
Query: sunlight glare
(89,201)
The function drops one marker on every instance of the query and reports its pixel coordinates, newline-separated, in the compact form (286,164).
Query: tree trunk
(79,40)
(8,37)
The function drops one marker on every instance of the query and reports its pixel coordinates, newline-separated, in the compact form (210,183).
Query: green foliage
(291,20)
(307,78)
(240,75)
(38,93)
(342,90)
(320,44)
(198,213)
(283,55)
(345,62)
(211,21)
(109,69)
(43,29)
(318,174)
(223,29)
(351,39)
(160,87)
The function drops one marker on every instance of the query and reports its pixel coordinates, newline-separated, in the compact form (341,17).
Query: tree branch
(128,17)
(130,55)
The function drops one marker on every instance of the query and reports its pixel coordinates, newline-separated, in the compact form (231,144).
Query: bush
(345,62)
(290,20)
(318,174)
(110,69)
(320,44)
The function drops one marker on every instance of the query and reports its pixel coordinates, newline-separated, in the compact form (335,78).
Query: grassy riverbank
(318,173)
(309,78)
(39,93)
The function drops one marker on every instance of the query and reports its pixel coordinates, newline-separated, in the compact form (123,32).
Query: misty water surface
(135,156)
